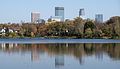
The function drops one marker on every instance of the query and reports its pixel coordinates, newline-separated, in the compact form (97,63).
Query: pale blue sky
(17,10)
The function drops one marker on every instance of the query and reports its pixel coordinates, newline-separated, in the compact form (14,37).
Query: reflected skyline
(78,51)
(55,56)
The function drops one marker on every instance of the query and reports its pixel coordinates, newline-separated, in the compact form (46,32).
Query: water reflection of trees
(76,50)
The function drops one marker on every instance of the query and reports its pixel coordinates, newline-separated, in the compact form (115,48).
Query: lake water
(59,54)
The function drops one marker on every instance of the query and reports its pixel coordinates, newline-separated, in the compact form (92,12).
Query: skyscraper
(99,18)
(59,11)
(35,17)
(81,12)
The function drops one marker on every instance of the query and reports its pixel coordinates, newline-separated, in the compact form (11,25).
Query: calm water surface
(42,40)
(60,56)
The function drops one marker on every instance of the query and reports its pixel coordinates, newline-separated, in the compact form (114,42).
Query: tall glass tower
(81,12)
(99,18)
(59,11)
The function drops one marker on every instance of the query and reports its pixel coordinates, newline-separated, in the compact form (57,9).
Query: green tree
(89,28)
(88,33)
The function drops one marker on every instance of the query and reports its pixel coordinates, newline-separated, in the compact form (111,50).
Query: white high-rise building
(35,17)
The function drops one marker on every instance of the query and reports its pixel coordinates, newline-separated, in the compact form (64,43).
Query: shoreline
(54,38)
(46,40)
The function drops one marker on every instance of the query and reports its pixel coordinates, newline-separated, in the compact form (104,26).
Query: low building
(56,18)
(41,21)
(10,30)
(2,31)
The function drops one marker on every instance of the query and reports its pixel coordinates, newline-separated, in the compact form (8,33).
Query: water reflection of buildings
(59,60)
(99,51)
(3,45)
(34,53)
(8,45)
(14,47)
(79,51)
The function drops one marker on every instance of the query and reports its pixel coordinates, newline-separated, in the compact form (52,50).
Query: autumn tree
(78,26)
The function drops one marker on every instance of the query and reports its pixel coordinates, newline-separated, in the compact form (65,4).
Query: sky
(16,10)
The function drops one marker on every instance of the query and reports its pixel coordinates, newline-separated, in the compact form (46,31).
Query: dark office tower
(81,12)
(99,18)
(59,12)
(35,17)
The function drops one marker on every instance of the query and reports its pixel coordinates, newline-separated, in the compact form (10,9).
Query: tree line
(76,28)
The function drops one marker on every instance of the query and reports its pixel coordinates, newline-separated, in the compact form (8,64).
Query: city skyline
(15,11)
